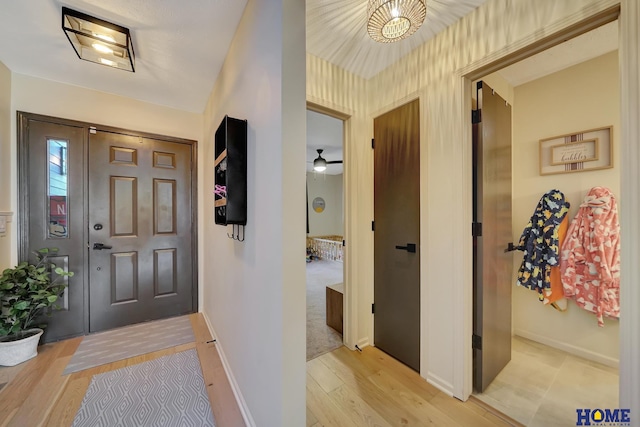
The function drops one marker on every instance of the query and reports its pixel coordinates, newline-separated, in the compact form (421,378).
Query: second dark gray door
(492,261)
(397,234)
(140,246)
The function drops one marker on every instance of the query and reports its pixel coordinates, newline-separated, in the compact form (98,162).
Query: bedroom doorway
(325,234)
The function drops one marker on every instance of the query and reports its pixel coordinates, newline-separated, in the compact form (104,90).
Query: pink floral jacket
(590,256)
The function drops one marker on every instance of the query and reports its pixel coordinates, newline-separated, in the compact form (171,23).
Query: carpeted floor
(168,391)
(122,343)
(320,337)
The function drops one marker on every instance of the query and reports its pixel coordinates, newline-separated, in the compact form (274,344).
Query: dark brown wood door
(52,197)
(492,265)
(397,234)
(140,240)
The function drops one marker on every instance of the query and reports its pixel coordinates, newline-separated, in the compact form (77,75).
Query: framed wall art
(577,152)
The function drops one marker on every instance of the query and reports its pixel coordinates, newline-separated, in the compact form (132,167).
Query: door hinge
(476,229)
(344,243)
(373,226)
(476,342)
(476,116)
(373,308)
(373,143)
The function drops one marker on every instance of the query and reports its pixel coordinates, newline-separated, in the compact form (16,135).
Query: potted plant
(26,292)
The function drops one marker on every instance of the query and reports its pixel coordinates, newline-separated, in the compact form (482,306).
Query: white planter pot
(15,352)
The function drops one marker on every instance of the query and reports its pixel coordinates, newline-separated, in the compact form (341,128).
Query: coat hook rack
(237,232)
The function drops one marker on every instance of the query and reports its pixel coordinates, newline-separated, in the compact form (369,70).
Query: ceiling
(179,46)
(337,32)
(590,45)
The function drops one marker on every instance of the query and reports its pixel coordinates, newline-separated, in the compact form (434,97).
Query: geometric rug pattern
(129,341)
(168,391)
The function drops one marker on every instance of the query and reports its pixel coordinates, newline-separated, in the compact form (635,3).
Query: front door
(52,190)
(121,209)
(492,261)
(397,233)
(140,246)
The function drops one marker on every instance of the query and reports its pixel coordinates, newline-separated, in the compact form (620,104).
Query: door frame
(23,119)
(350,307)
(627,14)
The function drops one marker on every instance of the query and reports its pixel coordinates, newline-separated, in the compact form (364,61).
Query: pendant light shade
(393,20)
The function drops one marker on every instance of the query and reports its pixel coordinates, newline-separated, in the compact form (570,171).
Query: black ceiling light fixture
(320,164)
(98,41)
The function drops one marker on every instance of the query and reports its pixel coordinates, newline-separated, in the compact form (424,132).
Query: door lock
(411,247)
(100,246)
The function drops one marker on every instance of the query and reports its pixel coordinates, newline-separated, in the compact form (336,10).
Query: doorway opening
(325,260)
(119,205)
(556,353)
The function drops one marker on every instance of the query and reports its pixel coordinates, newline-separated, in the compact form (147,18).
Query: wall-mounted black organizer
(231,174)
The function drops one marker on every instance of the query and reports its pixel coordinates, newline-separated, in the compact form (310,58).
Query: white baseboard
(576,351)
(440,384)
(242,404)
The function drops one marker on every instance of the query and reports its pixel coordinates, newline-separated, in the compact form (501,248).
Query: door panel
(55,199)
(492,208)
(397,227)
(140,211)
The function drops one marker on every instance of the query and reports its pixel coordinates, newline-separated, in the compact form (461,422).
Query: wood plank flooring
(349,388)
(37,394)
(344,389)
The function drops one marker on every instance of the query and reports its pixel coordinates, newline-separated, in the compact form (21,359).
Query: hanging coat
(590,262)
(555,294)
(539,242)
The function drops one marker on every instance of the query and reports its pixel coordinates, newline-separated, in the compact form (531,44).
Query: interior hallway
(542,386)
(344,388)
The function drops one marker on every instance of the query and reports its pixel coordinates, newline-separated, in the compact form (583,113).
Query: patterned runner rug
(168,391)
(122,343)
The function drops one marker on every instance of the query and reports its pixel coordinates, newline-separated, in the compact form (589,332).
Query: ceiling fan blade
(334,162)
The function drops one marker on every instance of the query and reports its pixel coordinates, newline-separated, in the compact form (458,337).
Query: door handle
(411,247)
(100,246)
(510,248)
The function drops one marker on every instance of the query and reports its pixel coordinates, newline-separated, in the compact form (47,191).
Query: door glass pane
(57,187)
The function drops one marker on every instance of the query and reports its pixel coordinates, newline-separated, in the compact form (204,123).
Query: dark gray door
(140,256)
(492,259)
(397,234)
(52,192)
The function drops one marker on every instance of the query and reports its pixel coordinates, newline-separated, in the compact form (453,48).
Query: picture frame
(587,150)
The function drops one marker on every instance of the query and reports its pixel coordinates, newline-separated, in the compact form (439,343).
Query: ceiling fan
(320,164)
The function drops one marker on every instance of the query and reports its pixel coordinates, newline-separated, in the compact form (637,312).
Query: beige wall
(5,165)
(254,294)
(585,96)
(330,221)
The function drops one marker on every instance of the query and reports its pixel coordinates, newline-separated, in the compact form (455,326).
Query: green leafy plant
(27,291)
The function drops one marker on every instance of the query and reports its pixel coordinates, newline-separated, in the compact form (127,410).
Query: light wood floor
(35,393)
(347,388)
(344,388)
